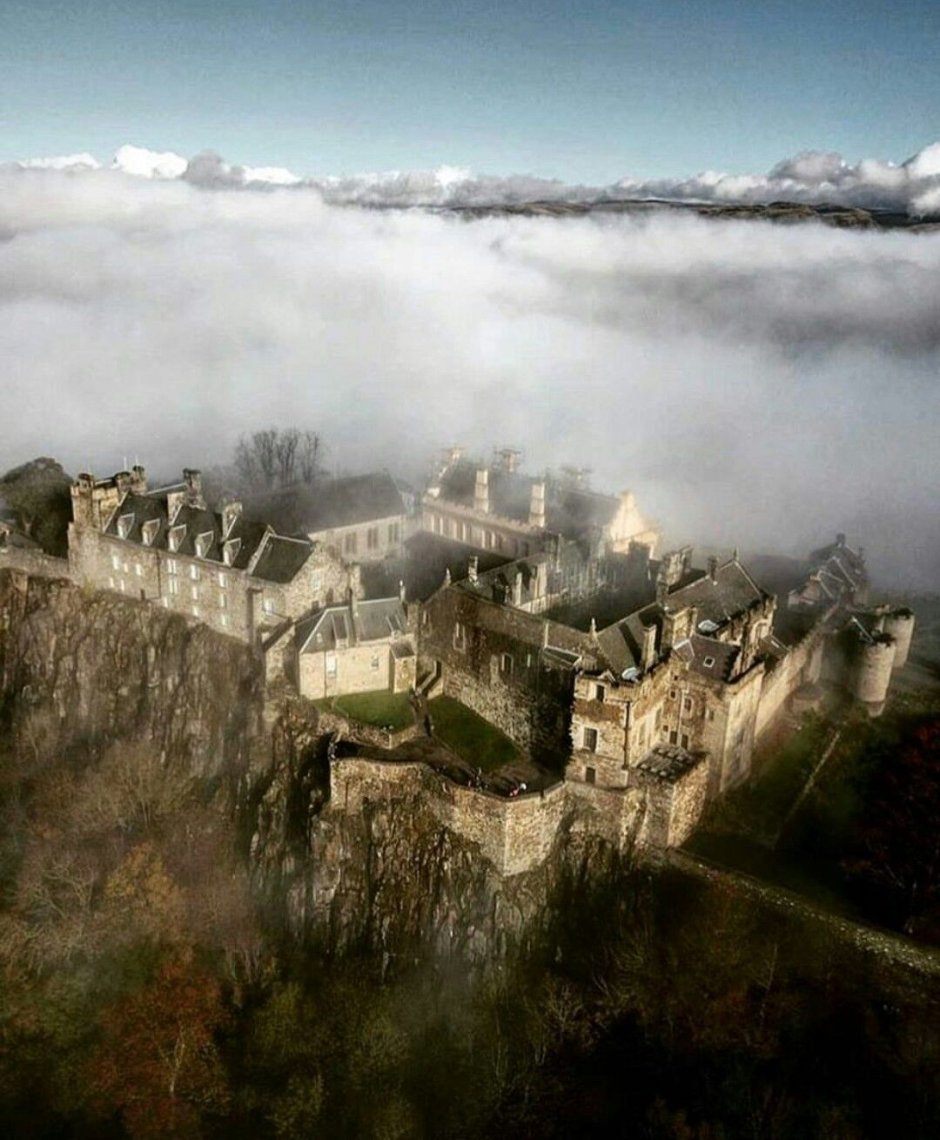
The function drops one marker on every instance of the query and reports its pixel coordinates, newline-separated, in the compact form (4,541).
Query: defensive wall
(33,562)
(516,834)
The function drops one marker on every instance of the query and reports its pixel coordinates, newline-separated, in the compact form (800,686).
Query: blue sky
(585,91)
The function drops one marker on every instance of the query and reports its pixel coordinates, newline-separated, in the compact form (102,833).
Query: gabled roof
(708,657)
(730,593)
(381,619)
(280,560)
(348,501)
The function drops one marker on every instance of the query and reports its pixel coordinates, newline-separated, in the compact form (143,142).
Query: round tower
(873,672)
(900,625)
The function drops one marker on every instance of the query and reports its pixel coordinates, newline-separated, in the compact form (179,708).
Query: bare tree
(274,458)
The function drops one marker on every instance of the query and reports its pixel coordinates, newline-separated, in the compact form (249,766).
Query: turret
(872,673)
(900,626)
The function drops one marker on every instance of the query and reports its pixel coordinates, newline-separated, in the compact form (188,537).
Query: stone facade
(360,647)
(495,507)
(166,547)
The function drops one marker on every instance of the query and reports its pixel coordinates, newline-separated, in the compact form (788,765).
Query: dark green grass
(379,708)
(470,736)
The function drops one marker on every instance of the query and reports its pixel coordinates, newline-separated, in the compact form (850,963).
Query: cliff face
(81,671)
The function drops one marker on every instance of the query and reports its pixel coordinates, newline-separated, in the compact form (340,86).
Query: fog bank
(756,385)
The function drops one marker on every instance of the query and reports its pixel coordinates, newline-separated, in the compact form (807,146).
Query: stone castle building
(640,683)
(495,507)
(167,547)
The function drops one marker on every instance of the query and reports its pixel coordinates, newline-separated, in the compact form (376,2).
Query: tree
(273,458)
(38,495)
(157,1063)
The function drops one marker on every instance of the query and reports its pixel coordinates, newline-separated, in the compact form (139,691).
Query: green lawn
(379,708)
(470,736)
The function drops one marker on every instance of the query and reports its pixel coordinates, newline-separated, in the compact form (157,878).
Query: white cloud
(755,384)
(811,177)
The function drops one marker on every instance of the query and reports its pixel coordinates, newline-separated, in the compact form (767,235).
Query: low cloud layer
(756,385)
(812,178)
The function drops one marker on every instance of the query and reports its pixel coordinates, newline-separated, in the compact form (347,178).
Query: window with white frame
(194,571)
(460,636)
(115,562)
(172,566)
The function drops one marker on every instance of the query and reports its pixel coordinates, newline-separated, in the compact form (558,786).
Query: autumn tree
(157,1063)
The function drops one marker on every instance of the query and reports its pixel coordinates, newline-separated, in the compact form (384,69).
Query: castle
(637,685)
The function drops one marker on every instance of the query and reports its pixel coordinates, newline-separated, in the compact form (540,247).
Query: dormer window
(124,524)
(708,662)
(203,543)
(230,550)
(148,532)
(176,536)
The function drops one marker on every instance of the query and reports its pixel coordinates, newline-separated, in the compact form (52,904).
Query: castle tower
(900,625)
(481,492)
(872,672)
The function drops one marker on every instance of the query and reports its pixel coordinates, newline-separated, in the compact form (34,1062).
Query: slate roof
(370,621)
(349,501)
(668,762)
(281,558)
(721,598)
(569,511)
(709,657)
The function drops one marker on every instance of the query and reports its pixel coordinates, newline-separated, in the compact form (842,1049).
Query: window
(223,580)
(203,542)
(590,775)
(372,538)
(316,582)
(673,694)
(194,590)
(460,637)
(685,740)
(268,605)
(659,716)
(125,522)
(331,664)
(708,662)
(375,662)
(505,664)
(148,532)
(115,562)
(195,611)
(194,572)
(175,536)
(686,704)
(223,601)
(673,737)
(350,544)
(172,566)
(393,533)
(590,739)
(599,693)
(173,585)
(224,621)
(138,569)
(111,583)
(711,714)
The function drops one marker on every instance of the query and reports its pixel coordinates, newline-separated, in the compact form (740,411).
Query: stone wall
(515,835)
(33,562)
(492,661)
(801,666)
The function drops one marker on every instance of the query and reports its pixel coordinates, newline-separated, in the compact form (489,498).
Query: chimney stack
(481,492)
(537,505)
(648,648)
(713,568)
(193,480)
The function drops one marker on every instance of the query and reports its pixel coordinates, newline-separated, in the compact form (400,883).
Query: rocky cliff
(81,671)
